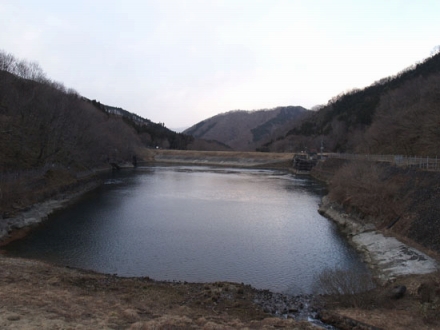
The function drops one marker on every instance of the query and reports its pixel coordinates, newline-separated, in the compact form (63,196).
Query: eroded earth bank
(390,215)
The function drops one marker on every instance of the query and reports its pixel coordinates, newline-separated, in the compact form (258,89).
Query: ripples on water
(198,224)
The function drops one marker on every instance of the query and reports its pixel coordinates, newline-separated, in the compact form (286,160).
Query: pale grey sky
(179,62)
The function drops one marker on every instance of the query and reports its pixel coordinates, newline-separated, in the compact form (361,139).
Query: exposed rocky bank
(18,225)
(390,215)
(387,257)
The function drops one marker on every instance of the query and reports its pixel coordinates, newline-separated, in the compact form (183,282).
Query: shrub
(362,187)
(347,286)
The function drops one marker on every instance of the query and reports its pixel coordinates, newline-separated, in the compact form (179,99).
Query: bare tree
(21,69)
(36,73)
(7,61)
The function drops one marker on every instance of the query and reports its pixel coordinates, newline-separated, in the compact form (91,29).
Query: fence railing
(427,163)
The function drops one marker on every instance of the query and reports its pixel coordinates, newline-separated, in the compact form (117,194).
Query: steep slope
(244,130)
(42,124)
(51,138)
(151,134)
(395,115)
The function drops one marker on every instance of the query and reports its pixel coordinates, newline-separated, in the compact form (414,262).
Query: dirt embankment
(21,223)
(398,201)
(36,295)
(384,210)
(387,257)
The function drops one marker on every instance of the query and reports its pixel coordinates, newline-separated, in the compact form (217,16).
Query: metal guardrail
(427,163)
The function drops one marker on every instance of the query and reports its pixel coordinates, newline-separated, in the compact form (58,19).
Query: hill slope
(395,115)
(244,130)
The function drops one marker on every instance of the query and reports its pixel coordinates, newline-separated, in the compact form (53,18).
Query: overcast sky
(180,62)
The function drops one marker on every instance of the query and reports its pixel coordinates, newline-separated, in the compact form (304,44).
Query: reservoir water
(197,224)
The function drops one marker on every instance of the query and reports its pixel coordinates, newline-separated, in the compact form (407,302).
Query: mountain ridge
(394,115)
(245,130)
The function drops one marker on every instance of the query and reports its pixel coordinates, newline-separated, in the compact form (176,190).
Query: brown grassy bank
(400,202)
(36,295)
(380,308)
(28,199)
(20,190)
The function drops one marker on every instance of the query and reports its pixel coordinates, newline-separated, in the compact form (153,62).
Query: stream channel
(198,224)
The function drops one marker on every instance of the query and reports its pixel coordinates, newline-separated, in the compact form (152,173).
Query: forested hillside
(43,123)
(245,130)
(395,115)
(50,135)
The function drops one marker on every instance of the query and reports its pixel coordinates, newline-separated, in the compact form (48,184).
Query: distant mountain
(245,130)
(157,135)
(151,134)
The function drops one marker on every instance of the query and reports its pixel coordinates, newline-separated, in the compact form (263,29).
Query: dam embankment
(219,158)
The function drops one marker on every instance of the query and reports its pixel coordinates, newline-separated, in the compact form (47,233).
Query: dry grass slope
(36,295)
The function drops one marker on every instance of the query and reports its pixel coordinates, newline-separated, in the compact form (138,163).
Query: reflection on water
(198,224)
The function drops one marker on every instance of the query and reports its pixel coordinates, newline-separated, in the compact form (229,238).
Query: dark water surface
(198,224)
